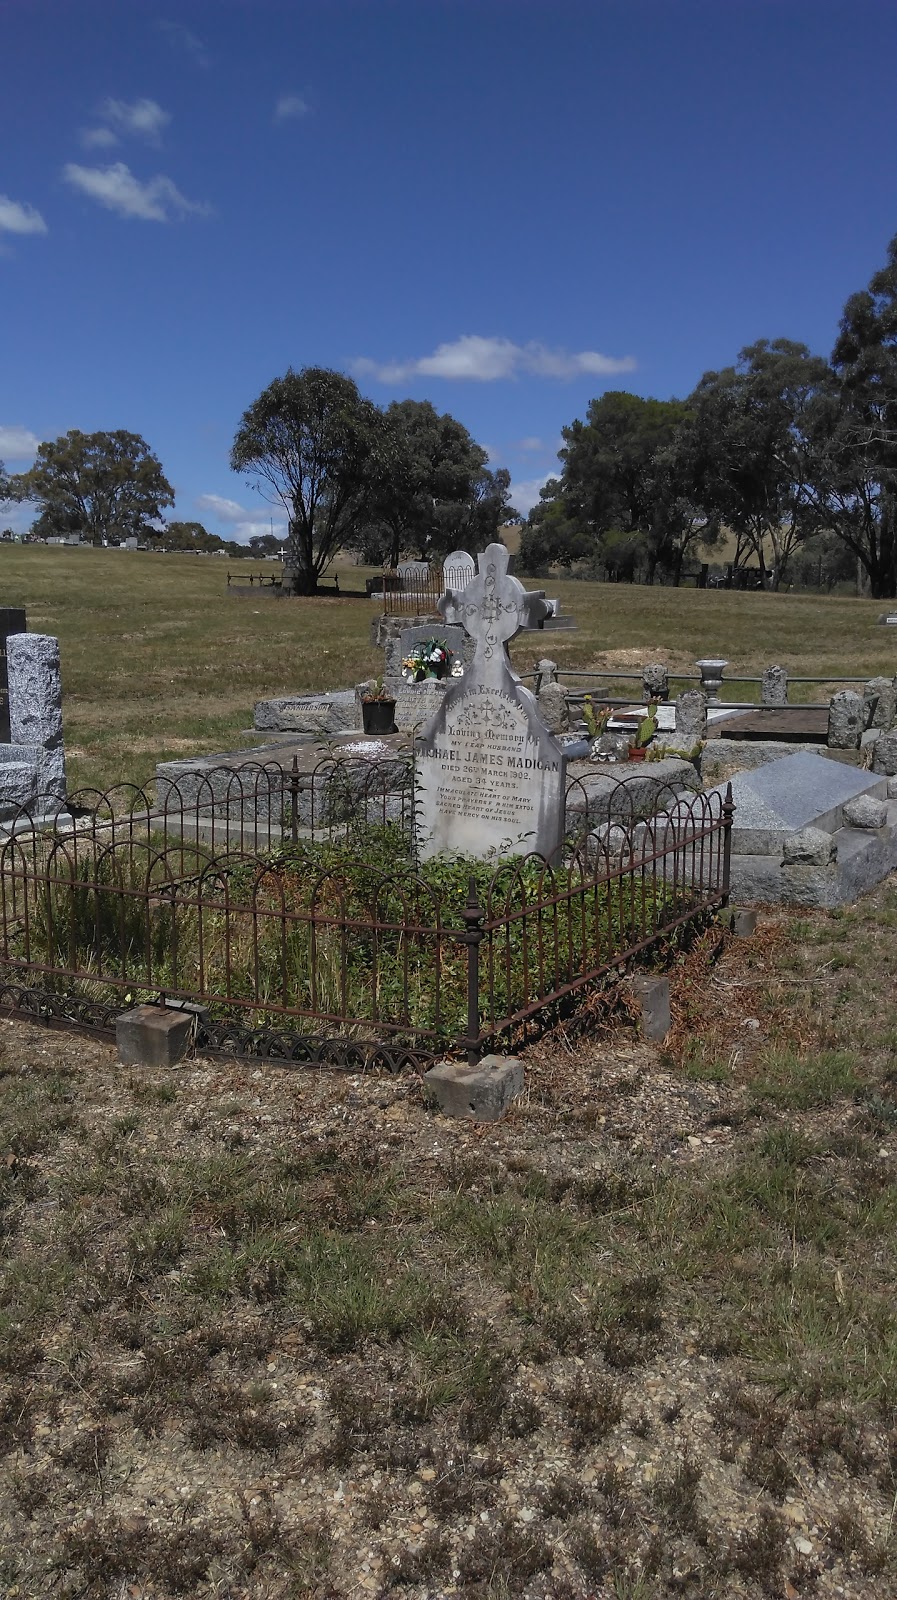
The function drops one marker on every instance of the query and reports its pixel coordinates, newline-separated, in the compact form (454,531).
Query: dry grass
(158,658)
(282,1335)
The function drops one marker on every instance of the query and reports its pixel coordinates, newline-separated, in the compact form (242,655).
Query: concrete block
(153,1036)
(653,995)
(742,921)
(481,1093)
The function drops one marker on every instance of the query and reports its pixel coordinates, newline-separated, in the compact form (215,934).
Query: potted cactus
(646,731)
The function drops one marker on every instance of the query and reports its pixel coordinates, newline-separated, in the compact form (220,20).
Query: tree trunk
(300,560)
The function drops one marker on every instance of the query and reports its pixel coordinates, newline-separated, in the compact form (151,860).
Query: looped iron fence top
(292,907)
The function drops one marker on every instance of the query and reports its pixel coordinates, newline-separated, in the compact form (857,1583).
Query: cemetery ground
(158,660)
(282,1334)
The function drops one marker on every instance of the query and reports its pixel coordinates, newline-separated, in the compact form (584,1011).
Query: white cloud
(98,138)
(242,522)
(116,187)
(525,492)
(182,39)
(16,217)
(18,515)
(145,119)
(289,106)
(530,445)
(484,360)
(17,444)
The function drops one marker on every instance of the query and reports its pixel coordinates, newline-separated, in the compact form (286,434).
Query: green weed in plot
(352,930)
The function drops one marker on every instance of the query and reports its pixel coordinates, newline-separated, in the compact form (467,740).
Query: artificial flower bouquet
(432,658)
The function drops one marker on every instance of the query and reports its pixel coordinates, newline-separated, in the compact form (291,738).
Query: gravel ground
(517,1379)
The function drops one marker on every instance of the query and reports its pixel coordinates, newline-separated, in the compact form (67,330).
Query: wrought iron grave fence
(290,909)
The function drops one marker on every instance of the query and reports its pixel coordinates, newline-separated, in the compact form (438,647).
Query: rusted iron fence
(413,593)
(289,908)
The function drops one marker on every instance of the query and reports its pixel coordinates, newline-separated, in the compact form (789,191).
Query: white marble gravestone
(458,570)
(490,777)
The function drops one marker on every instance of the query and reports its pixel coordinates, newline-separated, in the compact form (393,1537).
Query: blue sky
(504,207)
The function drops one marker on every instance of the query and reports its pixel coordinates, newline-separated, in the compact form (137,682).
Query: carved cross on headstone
(493,608)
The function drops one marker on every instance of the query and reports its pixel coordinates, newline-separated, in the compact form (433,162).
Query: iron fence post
(294,800)
(728,814)
(472,936)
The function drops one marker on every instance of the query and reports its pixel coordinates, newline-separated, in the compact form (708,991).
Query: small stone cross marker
(493,608)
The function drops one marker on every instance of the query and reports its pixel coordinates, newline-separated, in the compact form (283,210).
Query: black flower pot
(378,716)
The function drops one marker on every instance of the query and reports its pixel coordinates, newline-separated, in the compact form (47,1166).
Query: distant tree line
(106,488)
(383,482)
(794,455)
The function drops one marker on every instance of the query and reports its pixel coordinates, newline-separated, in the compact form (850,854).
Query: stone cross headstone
(490,777)
(774,687)
(458,569)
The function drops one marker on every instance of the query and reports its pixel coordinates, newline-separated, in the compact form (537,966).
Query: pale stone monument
(458,570)
(490,777)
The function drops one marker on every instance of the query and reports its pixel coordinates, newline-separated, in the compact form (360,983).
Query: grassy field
(272,1335)
(159,659)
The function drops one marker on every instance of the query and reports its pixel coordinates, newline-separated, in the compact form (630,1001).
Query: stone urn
(711,670)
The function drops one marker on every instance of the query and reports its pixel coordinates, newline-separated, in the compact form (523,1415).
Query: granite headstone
(655,681)
(691,718)
(846,720)
(880,698)
(12,620)
(774,687)
(35,705)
